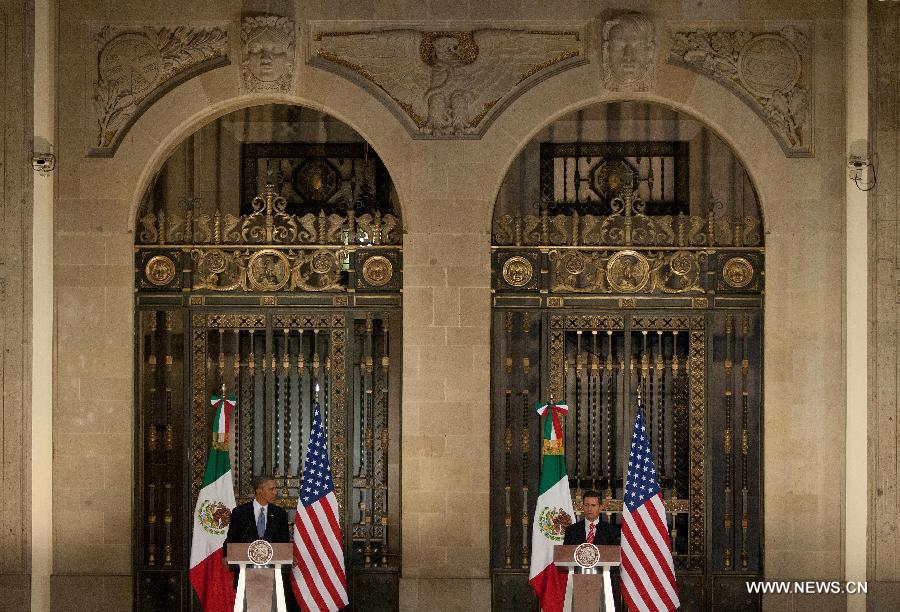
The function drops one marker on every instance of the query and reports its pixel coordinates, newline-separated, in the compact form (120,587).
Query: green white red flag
(208,574)
(552,514)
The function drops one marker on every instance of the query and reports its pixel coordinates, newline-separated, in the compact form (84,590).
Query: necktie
(590,536)
(261,523)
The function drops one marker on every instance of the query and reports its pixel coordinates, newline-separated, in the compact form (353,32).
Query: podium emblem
(260,552)
(587,555)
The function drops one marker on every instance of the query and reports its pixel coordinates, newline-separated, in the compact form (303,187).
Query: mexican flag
(209,577)
(553,513)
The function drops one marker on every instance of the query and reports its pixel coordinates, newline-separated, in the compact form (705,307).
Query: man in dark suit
(259,518)
(603,532)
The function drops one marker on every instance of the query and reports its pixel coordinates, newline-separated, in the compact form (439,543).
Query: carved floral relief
(447,84)
(137,65)
(770,70)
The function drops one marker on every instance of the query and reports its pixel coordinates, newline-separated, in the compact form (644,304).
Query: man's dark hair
(261,479)
(591,493)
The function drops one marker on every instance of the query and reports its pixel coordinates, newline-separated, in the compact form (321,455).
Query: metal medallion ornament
(628,271)
(215,261)
(160,270)
(268,270)
(517,271)
(214,517)
(573,262)
(553,522)
(378,270)
(587,555)
(260,552)
(738,272)
(322,262)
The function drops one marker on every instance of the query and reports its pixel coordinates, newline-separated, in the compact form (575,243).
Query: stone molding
(442,83)
(770,70)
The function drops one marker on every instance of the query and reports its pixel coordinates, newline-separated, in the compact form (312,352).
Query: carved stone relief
(628,53)
(771,71)
(450,83)
(136,66)
(267,53)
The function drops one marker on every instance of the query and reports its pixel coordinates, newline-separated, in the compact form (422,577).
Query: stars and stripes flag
(648,574)
(318,579)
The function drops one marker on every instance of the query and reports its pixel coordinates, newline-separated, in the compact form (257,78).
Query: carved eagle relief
(447,83)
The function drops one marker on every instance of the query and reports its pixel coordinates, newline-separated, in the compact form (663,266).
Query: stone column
(42,323)
(446,391)
(855,480)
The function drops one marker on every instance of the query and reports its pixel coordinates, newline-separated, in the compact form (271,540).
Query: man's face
(629,52)
(266,493)
(591,508)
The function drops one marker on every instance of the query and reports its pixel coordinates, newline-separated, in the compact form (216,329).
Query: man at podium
(260,518)
(592,528)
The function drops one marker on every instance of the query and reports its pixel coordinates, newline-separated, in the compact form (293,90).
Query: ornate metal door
(285,309)
(610,288)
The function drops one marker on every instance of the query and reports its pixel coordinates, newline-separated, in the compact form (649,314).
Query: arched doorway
(268,257)
(628,254)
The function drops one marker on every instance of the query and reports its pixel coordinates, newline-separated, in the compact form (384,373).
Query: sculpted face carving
(267,53)
(629,53)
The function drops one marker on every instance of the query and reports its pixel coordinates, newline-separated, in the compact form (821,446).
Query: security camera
(857,163)
(44,162)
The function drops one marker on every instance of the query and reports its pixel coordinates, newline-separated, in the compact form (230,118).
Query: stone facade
(884,127)
(447,192)
(16,32)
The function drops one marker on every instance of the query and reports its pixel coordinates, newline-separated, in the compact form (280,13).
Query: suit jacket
(606,533)
(242,527)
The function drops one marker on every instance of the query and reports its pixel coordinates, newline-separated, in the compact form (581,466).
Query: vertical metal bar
(745,441)
(660,407)
(277,391)
(152,413)
(286,427)
(610,415)
(526,559)
(385,397)
(579,369)
(151,525)
(236,427)
(727,438)
(596,429)
(167,520)
(301,370)
(168,361)
(507,440)
(369,437)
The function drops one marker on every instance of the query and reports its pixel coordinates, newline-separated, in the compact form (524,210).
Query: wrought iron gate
(284,309)
(598,296)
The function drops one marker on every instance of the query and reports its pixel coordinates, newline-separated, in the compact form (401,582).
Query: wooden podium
(583,561)
(260,566)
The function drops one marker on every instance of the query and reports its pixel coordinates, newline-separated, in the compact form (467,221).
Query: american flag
(318,580)
(648,576)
